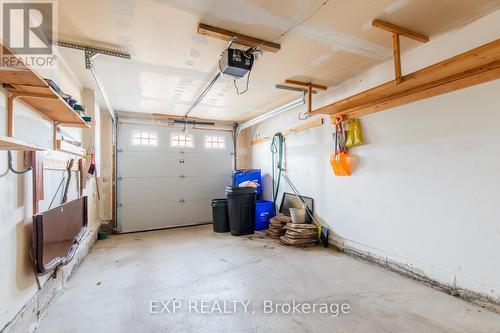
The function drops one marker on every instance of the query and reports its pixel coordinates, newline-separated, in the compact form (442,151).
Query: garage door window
(181,140)
(144,138)
(215,142)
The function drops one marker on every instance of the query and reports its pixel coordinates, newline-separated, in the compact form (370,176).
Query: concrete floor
(113,289)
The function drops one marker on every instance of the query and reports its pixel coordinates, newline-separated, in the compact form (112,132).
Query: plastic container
(220,216)
(241,210)
(298,215)
(264,211)
(248,178)
(53,85)
(78,107)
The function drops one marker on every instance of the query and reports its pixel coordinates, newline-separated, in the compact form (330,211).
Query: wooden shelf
(23,81)
(69,148)
(7,143)
(52,105)
(467,69)
(21,75)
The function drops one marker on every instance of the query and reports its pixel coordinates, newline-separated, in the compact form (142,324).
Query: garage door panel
(209,163)
(147,164)
(148,216)
(156,191)
(197,211)
(198,188)
(141,190)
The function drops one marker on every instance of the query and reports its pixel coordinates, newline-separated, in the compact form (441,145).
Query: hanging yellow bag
(354,135)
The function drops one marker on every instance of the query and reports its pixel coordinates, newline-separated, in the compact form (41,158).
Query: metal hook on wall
(11,168)
(303,116)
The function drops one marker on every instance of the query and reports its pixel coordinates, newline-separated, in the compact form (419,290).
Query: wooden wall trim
(291,130)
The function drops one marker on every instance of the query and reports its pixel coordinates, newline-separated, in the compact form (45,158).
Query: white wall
(426,188)
(18,284)
(106,167)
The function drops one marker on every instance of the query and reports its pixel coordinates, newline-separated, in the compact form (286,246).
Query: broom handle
(97,185)
(297,194)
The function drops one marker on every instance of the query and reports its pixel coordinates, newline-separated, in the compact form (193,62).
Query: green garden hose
(277,146)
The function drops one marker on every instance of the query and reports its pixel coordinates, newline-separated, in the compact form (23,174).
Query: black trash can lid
(216,202)
(240,190)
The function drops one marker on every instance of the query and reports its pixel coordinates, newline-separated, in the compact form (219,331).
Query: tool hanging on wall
(333,161)
(57,191)
(97,185)
(339,160)
(354,134)
(66,188)
(67,137)
(91,162)
(81,173)
(93,171)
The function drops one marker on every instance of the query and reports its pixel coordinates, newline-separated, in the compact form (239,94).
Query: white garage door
(168,177)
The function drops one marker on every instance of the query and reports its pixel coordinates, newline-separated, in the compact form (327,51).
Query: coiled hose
(277,145)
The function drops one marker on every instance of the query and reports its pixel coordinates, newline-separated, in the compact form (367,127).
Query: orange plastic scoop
(333,158)
(339,161)
(343,163)
(335,165)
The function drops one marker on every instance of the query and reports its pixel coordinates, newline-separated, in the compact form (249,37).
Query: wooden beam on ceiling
(310,87)
(400,30)
(245,40)
(476,66)
(396,32)
(305,84)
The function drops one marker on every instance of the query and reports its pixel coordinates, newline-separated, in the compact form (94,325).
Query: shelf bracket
(54,134)
(397,57)
(396,32)
(10,108)
(310,89)
(91,52)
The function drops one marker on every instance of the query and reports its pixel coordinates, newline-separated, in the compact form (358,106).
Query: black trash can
(220,216)
(241,208)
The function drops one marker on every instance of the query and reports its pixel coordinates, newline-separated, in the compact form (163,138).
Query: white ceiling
(171,64)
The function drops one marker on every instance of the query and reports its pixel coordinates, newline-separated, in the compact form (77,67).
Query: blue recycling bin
(264,211)
(248,178)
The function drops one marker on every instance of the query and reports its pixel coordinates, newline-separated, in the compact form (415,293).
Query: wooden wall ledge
(291,130)
(467,69)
